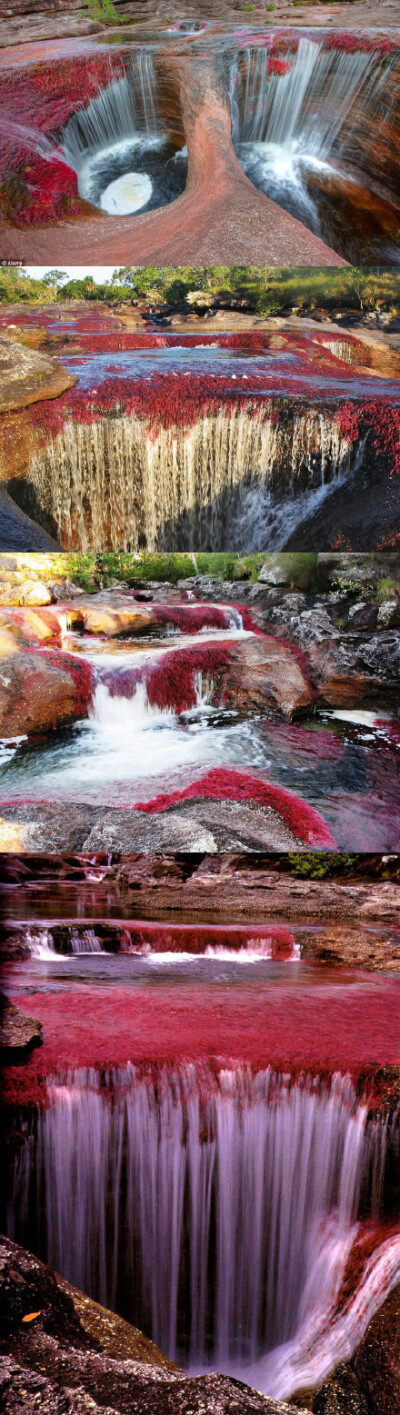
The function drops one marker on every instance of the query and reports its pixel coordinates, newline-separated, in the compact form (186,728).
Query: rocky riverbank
(61,1352)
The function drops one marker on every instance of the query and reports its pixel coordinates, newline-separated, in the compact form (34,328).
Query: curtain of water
(201,1206)
(307,107)
(127,106)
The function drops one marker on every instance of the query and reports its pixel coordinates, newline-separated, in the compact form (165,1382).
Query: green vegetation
(266,292)
(90,570)
(106,12)
(318,866)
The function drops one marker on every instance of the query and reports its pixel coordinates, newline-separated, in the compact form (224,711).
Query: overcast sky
(74,272)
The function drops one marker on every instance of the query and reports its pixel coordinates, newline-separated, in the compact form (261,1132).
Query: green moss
(317,866)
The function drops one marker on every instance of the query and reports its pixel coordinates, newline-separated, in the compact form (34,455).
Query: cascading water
(124,157)
(239,482)
(218,1212)
(296,124)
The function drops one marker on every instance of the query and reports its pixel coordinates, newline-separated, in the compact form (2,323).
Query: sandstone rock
(76,1358)
(39,691)
(33,592)
(264,673)
(18,1033)
(114,622)
(28,376)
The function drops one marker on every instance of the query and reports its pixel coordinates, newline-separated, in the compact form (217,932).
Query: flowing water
(184,1222)
(137,743)
(244,474)
(119,146)
(298,133)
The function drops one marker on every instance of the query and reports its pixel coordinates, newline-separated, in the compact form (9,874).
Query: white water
(41,944)
(227,1226)
(238,482)
(250,952)
(120,127)
(285,124)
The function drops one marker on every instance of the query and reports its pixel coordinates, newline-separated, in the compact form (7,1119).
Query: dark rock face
(369,1384)
(62,1354)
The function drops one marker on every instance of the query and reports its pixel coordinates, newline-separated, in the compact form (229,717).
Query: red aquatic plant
(223,784)
(380,422)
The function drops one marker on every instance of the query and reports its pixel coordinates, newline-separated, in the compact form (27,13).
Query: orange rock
(266,672)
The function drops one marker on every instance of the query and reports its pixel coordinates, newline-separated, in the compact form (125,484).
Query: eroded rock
(40,691)
(18,1033)
(65,1355)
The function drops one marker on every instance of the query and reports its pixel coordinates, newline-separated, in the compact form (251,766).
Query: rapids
(157,725)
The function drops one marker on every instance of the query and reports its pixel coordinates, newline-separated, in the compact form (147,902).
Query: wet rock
(37,827)
(266,673)
(341,1395)
(369,1384)
(195,825)
(113,622)
(72,1357)
(39,692)
(18,1033)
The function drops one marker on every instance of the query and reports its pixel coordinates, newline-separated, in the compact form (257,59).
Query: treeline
(268,291)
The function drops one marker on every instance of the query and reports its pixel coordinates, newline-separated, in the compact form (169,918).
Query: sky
(74,272)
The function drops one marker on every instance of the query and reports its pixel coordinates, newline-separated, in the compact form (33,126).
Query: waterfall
(309,113)
(85,941)
(241,482)
(40,943)
(217,1212)
(132,715)
(307,107)
(119,145)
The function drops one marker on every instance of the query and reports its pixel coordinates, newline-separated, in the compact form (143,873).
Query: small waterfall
(119,146)
(127,715)
(309,113)
(218,1212)
(304,109)
(241,482)
(40,943)
(254,949)
(85,941)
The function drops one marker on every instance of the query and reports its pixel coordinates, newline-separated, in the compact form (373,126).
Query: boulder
(42,690)
(18,1033)
(33,592)
(113,622)
(297,571)
(389,614)
(267,673)
(362,616)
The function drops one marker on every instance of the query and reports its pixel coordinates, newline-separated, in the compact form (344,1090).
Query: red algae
(170,680)
(292,1028)
(379,421)
(223,784)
